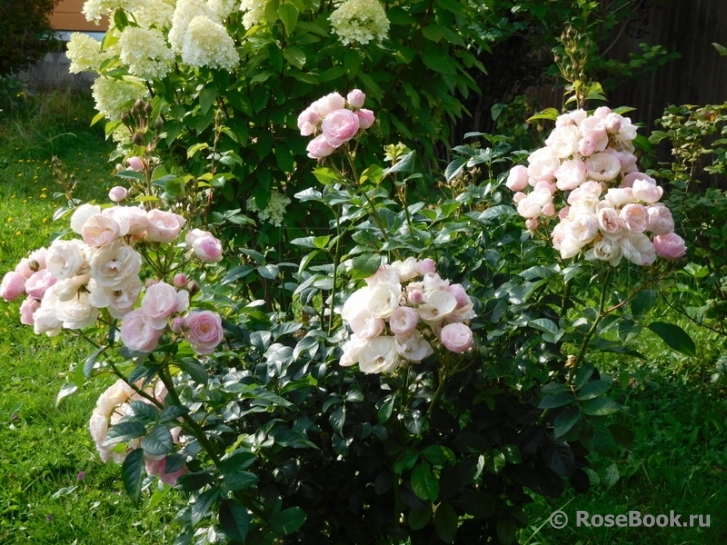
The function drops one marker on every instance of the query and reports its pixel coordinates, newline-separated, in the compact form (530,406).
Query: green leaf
(365,265)
(593,389)
(445,522)
(552,401)
(289,15)
(202,506)
(125,431)
(326,176)
(549,113)
(419,518)
(234,520)
(132,474)
(194,368)
(207,98)
(406,460)
(158,441)
(65,391)
(386,409)
(288,521)
(439,455)
(565,421)
(239,479)
(600,406)
(642,302)
(351,62)
(338,419)
(295,56)
(722,50)
(424,483)
(675,337)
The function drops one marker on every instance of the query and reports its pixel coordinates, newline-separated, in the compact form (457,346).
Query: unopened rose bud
(177,324)
(139,104)
(135,163)
(180,280)
(125,118)
(192,287)
(147,108)
(159,125)
(117,193)
(138,139)
(33,264)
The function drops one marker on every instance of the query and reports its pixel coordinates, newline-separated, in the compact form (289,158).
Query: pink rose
(669,246)
(602,112)
(38,256)
(586,146)
(456,337)
(24,268)
(163,226)
(403,321)
(531,224)
(158,466)
(660,220)
(180,280)
(517,180)
(631,177)
(13,286)
(415,296)
(425,266)
(647,192)
(340,126)
(161,301)
(135,163)
(365,326)
(542,164)
(610,223)
(36,285)
(319,147)
(308,121)
(327,104)
(517,197)
(635,217)
(99,230)
(131,219)
(203,330)
(603,167)
(118,193)
(460,295)
(27,309)
(208,248)
(356,98)
(138,332)
(366,118)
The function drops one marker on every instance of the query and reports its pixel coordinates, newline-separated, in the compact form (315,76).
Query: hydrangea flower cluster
(69,282)
(360,21)
(112,407)
(611,206)
(403,309)
(274,212)
(338,120)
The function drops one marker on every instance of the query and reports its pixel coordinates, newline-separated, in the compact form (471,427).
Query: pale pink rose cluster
(606,208)
(113,406)
(404,307)
(335,120)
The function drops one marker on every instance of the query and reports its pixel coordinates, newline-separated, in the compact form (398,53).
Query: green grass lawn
(53,487)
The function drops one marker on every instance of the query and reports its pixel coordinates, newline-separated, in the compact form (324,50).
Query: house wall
(68,16)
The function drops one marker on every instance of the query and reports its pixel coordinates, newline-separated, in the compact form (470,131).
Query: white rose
(383,300)
(81,215)
(365,326)
(564,141)
(65,258)
(76,313)
(542,164)
(120,300)
(406,269)
(619,196)
(570,174)
(603,167)
(355,303)
(436,306)
(351,350)
(584,228)
(605,250)
(131,219)
(112,265)
(637,248)
(413,347)
(594,128)
(45,321)
(386,274)
(635,217)
(379,355)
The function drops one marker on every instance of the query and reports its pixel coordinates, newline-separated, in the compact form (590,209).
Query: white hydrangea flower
(95,9)
(274,211)
(207,43)
(84,53)
(145,52)
(185,11)
(113,96)
(222,8)
(360,21)
(155,13)
(254,12)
